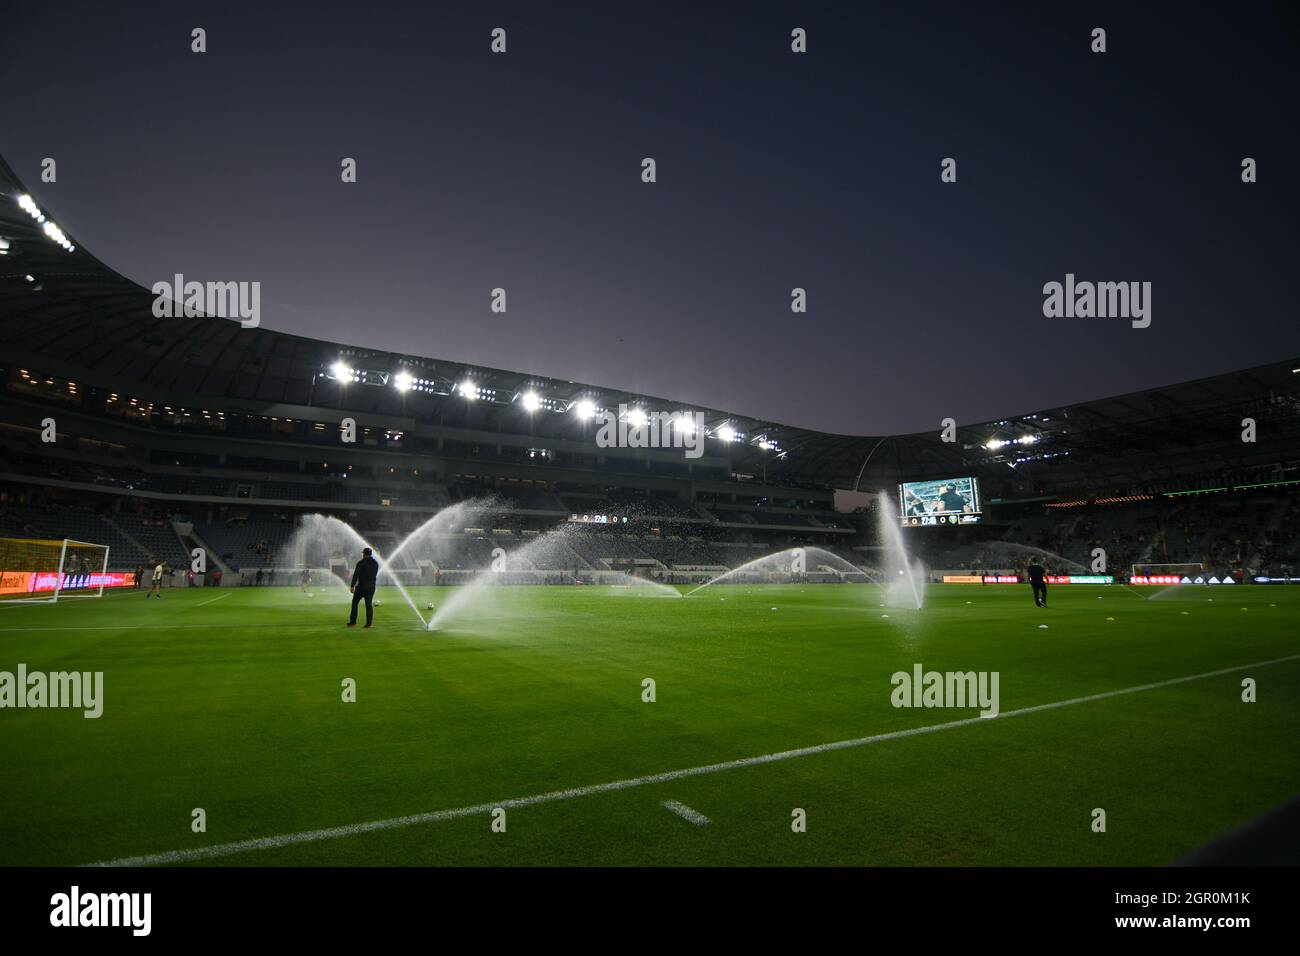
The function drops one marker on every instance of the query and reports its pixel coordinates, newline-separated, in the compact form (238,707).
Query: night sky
(775,170)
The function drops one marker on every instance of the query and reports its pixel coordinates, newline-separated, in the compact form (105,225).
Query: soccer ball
(377,603)
(429,606)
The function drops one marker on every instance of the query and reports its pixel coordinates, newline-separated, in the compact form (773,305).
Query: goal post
(1190,570)
(45,570)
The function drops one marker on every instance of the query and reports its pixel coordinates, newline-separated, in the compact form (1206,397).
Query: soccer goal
(34,570)
(1189,570)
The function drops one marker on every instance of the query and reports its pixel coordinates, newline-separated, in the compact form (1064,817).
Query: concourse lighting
(585,409)
(531,401)
(403,381)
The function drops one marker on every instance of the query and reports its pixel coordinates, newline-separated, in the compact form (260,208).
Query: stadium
(610,652)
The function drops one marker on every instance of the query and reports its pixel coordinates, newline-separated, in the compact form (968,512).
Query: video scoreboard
(943,501)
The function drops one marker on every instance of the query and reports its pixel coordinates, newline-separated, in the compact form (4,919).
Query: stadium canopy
(65,313)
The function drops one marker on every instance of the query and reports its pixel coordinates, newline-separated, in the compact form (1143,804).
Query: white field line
(113,593)
(553,796)
(686,813)
(281,626)
(217,598)
(171,627)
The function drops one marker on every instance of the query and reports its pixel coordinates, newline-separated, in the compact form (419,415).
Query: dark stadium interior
(888,459)
(197,432)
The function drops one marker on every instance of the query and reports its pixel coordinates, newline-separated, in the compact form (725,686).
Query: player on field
(1037,575)
(156,590)
(363,586)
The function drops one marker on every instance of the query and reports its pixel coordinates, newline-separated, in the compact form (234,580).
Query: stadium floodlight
(766,445)
(468,390)
(4,246)
(585,409)
(341,371)
(683,422)
(727,433)
(636,417)
(403,381)
(531,401)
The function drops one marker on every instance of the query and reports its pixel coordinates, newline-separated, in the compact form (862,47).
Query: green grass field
(231,700)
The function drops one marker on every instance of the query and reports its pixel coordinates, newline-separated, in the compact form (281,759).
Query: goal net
(1165,572)
(41,570)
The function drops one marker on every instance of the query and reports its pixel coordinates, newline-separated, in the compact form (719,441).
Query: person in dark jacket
(363,586)
(1037,575)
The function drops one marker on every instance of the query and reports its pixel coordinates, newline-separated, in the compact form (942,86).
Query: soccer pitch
(232,701)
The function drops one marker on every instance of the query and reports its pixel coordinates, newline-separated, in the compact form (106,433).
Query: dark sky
(775,171)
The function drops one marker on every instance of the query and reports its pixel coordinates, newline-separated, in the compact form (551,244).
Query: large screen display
(943,501)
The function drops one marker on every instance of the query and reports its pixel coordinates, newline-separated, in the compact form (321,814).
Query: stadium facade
(175,432)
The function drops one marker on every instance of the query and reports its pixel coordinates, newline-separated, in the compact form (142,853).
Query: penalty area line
(554,796)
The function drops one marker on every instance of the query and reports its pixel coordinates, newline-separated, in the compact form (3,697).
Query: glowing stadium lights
(28,205)
(585,409)
(342,371)
(636,417)
(727,433)
(4,246)
(404,381)
(996,443)
(468,390)
(531,401)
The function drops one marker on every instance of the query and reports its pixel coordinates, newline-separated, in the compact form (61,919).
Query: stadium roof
(65,312)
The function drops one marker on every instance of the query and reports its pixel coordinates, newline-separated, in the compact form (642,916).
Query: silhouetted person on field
(363,587)
(1037,575)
